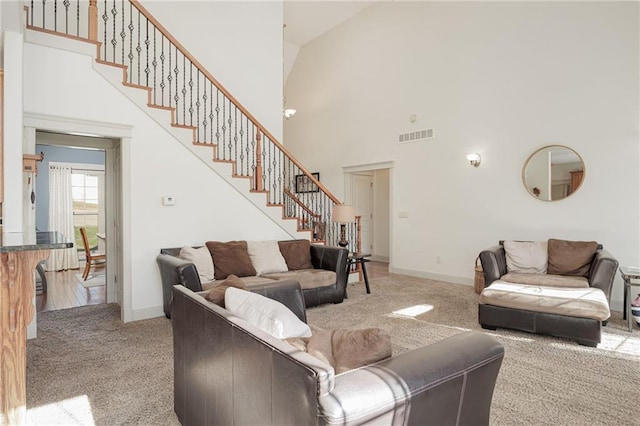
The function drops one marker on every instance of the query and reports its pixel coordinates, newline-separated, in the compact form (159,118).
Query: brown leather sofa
(229,372)
(174,270)
(587,331)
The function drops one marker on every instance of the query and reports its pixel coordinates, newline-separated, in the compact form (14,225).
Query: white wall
(64,84)
(498,78)
(239,43)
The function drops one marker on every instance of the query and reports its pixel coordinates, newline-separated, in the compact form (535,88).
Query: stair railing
(128,36)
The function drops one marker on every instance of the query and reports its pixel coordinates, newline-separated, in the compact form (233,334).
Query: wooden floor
(377,269)
(65,291)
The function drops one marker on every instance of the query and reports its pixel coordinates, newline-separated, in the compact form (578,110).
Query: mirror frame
(526,163)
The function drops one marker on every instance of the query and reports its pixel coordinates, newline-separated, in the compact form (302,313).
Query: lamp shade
(343,213)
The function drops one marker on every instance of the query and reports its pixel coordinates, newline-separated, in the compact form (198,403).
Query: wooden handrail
(203,70)
(301,204)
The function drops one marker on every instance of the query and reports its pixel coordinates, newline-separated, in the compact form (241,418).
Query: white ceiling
(306,20)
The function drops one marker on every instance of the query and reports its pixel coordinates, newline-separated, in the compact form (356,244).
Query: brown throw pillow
(570,257)
(229,258)
(349,349)
(296,253)
(216,294)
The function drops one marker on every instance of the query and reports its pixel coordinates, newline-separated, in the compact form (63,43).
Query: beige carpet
(88,367)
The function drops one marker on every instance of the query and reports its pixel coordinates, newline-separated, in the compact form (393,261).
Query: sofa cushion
(572,302)
(296,253)
(201,258)
(546,280)
(308,278)
(216,294)
(526,257)
(230,258)
(266,257)
(570,257)
(346,350)
(266,314)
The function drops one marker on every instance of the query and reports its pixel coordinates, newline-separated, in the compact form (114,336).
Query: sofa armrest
(448,382)
(332,259)
(494,263)
(603,271)
(174,270)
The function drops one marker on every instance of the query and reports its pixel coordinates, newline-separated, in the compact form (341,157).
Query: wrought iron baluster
(204,102)
(218,120)
(224,130)
(147,42)
(114,42)
(31,10)
(55,15)
(198,103)
(169,77)
(66,4)
(253,156)
(176,97)
(190,93)
(78,18)
(162,58)
(138,47)
(44,13)
(105,19)
(184,90)
(211,112)
(155,66)
(235,136)
(123,33)
(131,27)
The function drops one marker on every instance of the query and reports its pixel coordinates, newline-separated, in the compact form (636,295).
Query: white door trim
(71,126)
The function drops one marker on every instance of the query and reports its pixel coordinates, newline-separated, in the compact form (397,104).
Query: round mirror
(553,172)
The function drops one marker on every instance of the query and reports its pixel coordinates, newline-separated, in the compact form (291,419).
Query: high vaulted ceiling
(306,20)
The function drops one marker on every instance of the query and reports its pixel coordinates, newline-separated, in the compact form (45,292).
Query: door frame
(348,171)
(118,214)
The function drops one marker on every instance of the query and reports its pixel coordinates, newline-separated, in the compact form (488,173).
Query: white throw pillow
(201,257)
(267,314)
(266,257)
(526,257)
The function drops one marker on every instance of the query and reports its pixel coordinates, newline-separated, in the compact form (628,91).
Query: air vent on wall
(418,135)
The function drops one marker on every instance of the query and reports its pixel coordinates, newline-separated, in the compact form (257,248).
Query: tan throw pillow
(570,257)
(201,258)
(216,294)
(296,253)
(349,349)
(231,258)
(526,257)
(266,257)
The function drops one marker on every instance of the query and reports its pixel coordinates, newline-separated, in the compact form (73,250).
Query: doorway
(94,191)
(368,189)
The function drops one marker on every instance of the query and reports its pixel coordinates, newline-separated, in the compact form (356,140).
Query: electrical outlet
(168,200)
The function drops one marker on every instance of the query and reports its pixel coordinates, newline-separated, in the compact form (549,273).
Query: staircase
(157,72)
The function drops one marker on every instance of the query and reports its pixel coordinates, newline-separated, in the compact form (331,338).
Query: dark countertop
(23,241)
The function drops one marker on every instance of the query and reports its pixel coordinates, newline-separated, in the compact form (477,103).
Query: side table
(360,258)
(628,273)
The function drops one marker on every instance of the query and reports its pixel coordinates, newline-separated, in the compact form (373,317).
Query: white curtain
(61,217)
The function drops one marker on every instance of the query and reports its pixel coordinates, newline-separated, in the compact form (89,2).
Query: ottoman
(573,313)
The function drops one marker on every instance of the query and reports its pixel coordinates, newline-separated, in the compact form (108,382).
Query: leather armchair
(228,372)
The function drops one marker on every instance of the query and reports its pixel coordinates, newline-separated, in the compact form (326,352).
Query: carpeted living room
(477,158)
(87,367)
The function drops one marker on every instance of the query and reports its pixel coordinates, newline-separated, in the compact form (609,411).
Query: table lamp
(343,214)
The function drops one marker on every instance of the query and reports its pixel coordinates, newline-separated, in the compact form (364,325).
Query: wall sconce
(289,112)
(474,159)
(343,214)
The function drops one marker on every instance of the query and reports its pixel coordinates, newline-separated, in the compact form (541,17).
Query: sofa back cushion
(570,257)
(296,253)
(526,257)
(229,258)
(266,257)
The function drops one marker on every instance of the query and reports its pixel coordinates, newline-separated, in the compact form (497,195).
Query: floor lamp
(343,214)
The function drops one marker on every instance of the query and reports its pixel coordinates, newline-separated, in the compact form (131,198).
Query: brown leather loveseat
(227,371)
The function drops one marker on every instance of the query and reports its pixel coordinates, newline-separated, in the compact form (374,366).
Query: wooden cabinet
(576,180)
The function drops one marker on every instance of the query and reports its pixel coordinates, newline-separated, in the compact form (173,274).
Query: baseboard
(147,313)
(377,258)
(429,275)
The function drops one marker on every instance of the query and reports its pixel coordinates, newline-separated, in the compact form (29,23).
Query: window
(85,191)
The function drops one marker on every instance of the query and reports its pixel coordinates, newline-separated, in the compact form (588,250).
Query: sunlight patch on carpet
(72,411)
(413,311)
